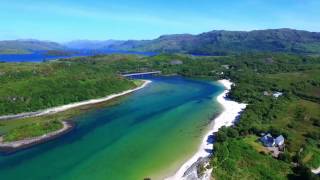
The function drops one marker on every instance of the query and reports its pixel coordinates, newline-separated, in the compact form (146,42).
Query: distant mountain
(90,44)
(27,46)
(222,42)
(218,42)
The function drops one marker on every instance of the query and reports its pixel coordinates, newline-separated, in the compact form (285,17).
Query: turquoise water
(146,134)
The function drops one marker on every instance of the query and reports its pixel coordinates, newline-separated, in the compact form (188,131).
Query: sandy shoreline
(72,105)
(231,111)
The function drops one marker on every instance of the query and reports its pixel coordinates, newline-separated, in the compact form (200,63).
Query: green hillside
(32,86)
(226,42)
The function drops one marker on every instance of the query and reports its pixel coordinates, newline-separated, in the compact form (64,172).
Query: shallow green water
(146,134)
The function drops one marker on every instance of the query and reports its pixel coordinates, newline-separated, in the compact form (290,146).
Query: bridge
(141,73)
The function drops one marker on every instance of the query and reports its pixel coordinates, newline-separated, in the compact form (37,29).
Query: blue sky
(62,21)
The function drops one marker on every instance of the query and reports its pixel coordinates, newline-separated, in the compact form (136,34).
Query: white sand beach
(72,105)
(231,111)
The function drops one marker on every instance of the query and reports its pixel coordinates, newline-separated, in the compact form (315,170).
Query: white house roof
(279,139)
(277,94)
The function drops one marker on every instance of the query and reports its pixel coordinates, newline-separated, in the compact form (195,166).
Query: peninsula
(15,144)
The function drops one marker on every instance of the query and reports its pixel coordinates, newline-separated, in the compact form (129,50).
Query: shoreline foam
(228,116)
(62,108)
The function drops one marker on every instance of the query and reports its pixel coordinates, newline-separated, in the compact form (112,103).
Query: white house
(277,94)
(279,141)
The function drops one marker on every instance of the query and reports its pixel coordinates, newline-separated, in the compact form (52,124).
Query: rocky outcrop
(200,170)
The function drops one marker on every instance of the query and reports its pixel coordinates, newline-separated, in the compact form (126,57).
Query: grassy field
(304,83)
(310,154)
(297,127)
(255,143)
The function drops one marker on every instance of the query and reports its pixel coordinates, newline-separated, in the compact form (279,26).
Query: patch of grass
(310,156)
(32,130)
(304,83)
(255,144)
(138,82)
(295,127)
